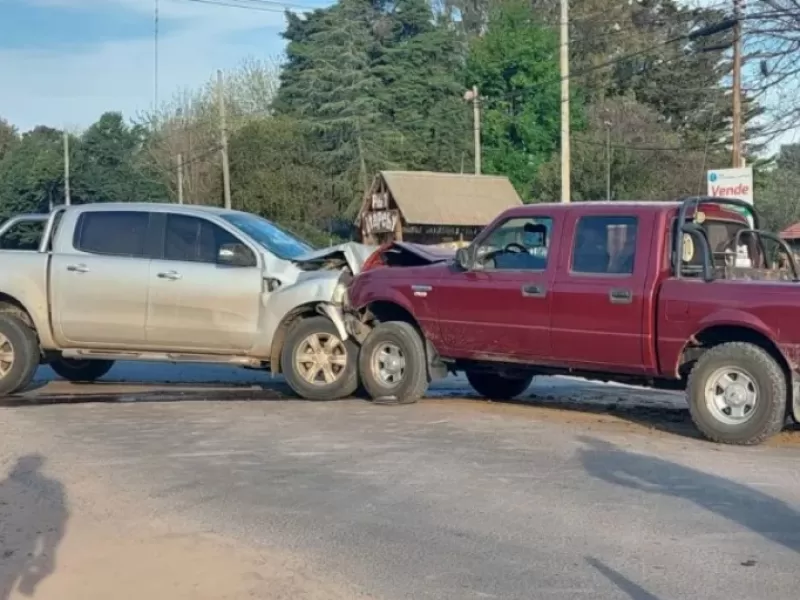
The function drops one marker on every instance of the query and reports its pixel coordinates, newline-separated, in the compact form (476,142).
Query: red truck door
(599,291)
(502,308)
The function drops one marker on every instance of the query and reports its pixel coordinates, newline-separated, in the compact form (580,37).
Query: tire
(298,374)
(497,387)
(768,413)
(81,371)
(411,381)
(19,343)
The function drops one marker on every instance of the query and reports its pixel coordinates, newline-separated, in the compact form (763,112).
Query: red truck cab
(604,290)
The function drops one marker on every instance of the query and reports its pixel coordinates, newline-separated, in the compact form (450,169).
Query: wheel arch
(9,304)
(721,333)
(303,311)
(381,311)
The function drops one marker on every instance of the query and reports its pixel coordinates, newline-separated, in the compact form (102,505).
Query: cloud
(72,85)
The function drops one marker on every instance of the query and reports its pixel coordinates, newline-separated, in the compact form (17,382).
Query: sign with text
(382,221)
(731,183)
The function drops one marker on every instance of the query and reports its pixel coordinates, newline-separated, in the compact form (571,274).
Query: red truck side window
(605,245)
(518,244)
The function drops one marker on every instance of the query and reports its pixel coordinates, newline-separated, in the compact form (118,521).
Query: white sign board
(731,183)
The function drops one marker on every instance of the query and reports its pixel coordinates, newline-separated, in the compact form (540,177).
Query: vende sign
(731,183)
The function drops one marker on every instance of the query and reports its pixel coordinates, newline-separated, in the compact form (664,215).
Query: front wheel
(496,386)
(317,364)
(737,394)
(392,364)
(81,371)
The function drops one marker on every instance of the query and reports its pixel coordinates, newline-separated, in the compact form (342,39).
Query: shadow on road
(33,516)
(769,517)
(633,590)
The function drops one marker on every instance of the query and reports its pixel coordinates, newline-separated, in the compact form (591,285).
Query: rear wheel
(737,394)
(392,364)
(19,354)
(317,364)
(81,371)
(496,386)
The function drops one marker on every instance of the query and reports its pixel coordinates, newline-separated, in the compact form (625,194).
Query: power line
(257,5)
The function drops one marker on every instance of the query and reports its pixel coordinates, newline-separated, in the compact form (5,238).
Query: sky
(65,62)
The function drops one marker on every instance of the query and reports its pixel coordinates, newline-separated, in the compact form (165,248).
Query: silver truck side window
(112,233)
(192,239)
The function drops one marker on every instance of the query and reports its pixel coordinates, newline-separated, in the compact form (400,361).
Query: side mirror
(463,258)
(236,255)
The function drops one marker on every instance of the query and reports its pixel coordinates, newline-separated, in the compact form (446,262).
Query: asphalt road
(581,491)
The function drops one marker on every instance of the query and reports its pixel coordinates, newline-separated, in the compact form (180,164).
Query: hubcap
(731,395)
(6,356)
(389,364)
(321,359)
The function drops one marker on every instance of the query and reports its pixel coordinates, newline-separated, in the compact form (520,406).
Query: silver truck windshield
(279,242)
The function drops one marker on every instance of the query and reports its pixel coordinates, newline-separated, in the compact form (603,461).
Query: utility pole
(67,195)
(472,96)
(608,160)
(737,84)
(226,173)
(566,192)
(180,178)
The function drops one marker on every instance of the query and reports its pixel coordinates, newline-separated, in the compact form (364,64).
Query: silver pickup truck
(164,282)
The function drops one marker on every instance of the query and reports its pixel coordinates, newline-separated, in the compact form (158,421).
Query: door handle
(620,296)
(81,268)
(534,291)
(421,291)
(171,275)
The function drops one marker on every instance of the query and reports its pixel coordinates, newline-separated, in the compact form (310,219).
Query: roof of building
(792,232)
(427,198)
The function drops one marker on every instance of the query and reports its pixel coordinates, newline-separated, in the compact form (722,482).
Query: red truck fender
(731,325)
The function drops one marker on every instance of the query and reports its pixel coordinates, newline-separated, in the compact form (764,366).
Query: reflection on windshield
(270,236)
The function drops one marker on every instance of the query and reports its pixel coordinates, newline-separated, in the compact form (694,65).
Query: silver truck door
(99,280)
(195,303)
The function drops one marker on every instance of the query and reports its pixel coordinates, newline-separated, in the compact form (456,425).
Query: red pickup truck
(612,291)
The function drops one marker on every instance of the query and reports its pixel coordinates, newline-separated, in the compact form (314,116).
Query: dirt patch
(101,562)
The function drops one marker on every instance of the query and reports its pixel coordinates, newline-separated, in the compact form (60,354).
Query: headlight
(339,294)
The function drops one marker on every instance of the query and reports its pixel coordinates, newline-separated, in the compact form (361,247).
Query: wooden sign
(382,221)
(380,201)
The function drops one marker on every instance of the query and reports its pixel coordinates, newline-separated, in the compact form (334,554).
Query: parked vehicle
(164,282)
(613,291)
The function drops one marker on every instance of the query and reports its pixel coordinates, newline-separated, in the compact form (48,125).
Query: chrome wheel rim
(321,359)
(389,364)
(731,395)
(6,356)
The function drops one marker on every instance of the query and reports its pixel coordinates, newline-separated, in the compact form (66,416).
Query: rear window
(112,233)
(24,235)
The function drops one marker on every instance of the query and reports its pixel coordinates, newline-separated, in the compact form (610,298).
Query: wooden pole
(566,191)
(226,173)
(737,86)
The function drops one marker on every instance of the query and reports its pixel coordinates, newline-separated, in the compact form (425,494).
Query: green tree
(272,163)
(110,166)
(32,176)
(9,137)
(330,83)
(419,66)
(630,142)
(515,66)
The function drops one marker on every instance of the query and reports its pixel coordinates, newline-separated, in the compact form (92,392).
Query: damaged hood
(350,254)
